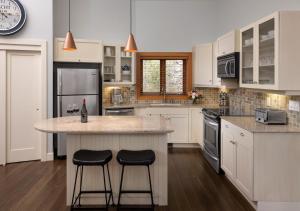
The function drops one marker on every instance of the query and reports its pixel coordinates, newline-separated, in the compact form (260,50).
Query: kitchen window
(163,74)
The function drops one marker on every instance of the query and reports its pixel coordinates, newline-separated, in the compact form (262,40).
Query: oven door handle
(210,155)
(212,123)
(208,115)
(118,111)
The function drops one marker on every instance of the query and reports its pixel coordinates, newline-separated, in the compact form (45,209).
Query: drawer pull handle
(242,134)
(232,142)
(226,126)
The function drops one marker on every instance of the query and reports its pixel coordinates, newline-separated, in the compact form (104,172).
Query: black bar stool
(83,158)
(136,158)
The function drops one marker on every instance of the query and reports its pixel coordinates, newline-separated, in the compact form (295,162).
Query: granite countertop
(105,125)
(158,105)
(249,124)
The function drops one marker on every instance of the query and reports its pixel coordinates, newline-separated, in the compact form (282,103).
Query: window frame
(187,74)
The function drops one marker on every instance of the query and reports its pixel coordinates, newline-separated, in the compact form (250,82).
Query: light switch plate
(294,105)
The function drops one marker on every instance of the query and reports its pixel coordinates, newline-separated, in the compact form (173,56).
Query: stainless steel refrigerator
(75,82)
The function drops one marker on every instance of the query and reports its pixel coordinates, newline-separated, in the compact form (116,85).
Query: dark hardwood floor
(193,186)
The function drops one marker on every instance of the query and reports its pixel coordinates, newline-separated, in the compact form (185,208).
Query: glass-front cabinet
(247,55)
(259,43)
(266,52)
(118,65)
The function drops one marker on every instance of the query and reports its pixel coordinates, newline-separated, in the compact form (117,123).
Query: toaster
(271,116)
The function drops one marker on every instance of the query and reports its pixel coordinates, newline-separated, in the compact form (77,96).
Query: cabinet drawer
(226,126)
(163,110)
(243,137)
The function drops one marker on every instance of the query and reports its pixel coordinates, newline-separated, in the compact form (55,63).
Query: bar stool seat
(136,158)
(83,158)
(92,158)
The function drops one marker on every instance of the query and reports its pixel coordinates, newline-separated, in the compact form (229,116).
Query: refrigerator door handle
(59,106)
(59,81)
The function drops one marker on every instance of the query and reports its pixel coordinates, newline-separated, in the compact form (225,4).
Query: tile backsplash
(243,100)
(247,100)
(209,96)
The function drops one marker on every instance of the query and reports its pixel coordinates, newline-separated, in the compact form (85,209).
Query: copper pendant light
(69,44)
(131,45)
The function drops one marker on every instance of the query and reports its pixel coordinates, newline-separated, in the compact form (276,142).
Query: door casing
(21,45)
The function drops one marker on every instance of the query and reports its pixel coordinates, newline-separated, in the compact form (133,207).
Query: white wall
(39,25)
(174,25)
(106,20)
(238,13)
(159,25)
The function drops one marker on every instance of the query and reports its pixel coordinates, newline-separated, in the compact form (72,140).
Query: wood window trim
(140,56)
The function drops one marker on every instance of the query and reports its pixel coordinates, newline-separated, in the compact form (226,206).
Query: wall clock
(12,17)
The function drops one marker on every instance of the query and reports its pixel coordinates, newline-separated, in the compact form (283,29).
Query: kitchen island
(116,133)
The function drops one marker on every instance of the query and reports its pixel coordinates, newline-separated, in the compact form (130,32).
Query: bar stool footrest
(135,191)
(88,207)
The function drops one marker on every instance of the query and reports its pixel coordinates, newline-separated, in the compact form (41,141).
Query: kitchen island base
(134,177)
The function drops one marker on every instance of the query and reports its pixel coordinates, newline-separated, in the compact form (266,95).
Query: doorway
(23,103)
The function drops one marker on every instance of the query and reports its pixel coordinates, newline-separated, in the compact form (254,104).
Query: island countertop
(105,125)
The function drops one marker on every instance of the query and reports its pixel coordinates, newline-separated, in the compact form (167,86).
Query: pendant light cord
(69,15)
(131,16)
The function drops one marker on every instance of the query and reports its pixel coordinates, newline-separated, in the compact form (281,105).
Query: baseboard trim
(186,145)
(50,156)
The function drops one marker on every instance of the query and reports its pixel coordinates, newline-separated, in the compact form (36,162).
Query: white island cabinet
(262,161)
(116,133)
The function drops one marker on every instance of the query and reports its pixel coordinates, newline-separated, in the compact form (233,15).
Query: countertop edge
(200,106)
(255,130)
(105,132)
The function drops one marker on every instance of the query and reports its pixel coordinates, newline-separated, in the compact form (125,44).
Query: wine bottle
(84,113)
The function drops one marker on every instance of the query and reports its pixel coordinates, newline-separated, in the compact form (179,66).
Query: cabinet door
(228,153)
(267,29)
(110,64)
(180,125)
(196,126)
(202,65)
(248,57)
(226,44)
(216,80)
(87,51)
(127,66)
(244,161)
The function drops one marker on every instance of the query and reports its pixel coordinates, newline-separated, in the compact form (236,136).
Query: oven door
(211,137)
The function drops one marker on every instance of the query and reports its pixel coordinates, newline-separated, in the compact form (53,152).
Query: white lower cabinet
(237,156)
(180,125)
(187,123)
(244,161)
(228,158)
(196,126)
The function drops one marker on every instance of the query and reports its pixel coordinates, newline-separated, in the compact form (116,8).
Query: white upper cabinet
(118,65)
(228,43)
(270,52)
(87,51)
(203,65)
(216,81)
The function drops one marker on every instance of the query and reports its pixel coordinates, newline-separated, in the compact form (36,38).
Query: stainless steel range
(212,139)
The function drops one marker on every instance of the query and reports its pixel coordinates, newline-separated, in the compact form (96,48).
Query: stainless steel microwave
(229,65)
